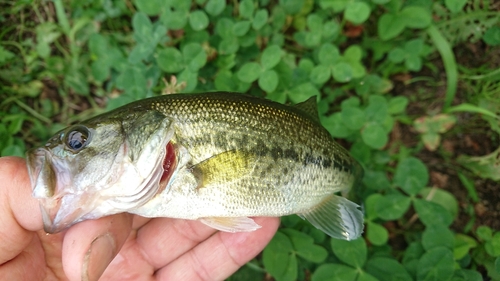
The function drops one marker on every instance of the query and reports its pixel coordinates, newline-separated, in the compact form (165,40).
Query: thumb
(19,211)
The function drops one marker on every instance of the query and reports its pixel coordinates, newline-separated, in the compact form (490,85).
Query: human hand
(123,246)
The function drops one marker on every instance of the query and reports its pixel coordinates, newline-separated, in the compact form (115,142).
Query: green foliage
(409,54)
(393,24)
(280,256)
(468,20)
(384,268)
(492,36)
(373,122)
(484,166)
(73,59)
(436,264)
(488,252)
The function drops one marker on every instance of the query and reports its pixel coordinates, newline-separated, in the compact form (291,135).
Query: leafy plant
(432,127)
(492,36)
(280,256)
(487,166)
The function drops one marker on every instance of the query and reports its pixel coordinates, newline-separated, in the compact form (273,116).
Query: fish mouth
(48,179)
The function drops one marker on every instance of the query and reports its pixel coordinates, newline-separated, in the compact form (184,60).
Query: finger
(28,265)
(220,255)
(19,211)
(90,246)
(162,240)
(129,263)
(51,246)
(139,222)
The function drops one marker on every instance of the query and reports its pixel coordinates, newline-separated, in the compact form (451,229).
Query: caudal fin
(337,217)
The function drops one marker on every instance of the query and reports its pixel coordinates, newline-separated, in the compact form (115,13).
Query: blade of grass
(482,76)
(33,112)
(471,189)
(61,16)
(450,64)
(467,107)
(253,265)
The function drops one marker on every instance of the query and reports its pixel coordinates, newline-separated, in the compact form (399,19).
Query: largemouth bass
(216,157)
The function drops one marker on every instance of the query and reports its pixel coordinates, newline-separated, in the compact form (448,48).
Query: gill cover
(99,167)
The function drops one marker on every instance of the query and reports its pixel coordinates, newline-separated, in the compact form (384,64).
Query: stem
(450,64)
(414,218)
(33,112)
(18,46)
(37,12)
(6,30)
(467,16)
(61,16)
(482,76)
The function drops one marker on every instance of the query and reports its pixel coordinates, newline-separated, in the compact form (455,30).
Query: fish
(218,157)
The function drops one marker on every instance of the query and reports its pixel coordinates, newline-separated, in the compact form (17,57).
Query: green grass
(64,61)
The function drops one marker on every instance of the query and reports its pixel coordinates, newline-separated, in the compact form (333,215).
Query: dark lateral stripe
(261,149)
(276,152)
(324,162)
(291,154)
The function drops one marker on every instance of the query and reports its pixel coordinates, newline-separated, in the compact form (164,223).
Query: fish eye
(77,138)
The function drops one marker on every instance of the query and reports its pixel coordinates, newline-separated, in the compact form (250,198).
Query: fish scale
(237,156)
(199,118)
(291,130)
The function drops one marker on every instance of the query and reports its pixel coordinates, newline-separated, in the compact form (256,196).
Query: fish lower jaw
(57,216)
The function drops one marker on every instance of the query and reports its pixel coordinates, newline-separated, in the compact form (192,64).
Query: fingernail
(98,257)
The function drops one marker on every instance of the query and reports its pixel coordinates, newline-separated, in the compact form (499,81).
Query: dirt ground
(470,136)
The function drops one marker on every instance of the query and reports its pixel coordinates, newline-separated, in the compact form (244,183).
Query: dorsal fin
(309,107)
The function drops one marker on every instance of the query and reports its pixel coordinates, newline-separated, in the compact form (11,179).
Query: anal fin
(337,217)
(231,224)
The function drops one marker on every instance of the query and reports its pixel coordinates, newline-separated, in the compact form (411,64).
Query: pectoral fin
(224,167)
(337,217)
(237,224)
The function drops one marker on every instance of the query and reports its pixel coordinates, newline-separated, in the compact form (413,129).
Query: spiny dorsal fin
(309,107)
(225,167)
